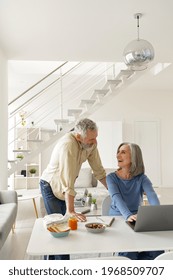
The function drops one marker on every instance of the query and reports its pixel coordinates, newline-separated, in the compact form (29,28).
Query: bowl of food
(95,227)
(59,230)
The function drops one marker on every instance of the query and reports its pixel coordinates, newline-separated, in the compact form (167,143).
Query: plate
(59,234)
(95,227)
(59,230)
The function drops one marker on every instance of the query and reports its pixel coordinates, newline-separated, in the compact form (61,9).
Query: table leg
(35,207)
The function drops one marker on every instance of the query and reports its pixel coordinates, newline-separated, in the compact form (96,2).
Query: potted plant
(19,156)
(93,204)
(88,199)
(32,171)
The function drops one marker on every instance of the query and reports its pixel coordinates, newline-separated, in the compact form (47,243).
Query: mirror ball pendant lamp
(138,53)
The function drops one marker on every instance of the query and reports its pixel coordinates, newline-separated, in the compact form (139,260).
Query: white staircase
(88,102)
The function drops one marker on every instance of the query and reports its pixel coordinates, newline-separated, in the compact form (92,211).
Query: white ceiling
(87,30)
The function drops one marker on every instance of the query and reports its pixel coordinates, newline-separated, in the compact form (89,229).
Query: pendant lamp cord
(137,27)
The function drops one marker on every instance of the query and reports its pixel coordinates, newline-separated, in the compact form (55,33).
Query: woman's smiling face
(124,156)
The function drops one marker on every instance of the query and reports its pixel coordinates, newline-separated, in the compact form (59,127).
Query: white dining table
(117,238)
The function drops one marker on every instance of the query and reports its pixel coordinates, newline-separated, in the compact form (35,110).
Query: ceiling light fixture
(138,53)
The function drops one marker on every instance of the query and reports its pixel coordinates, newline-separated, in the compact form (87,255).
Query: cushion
(85,179)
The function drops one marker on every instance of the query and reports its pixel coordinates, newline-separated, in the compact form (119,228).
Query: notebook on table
(153,218)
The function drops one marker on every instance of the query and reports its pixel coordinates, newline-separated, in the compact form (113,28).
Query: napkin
(48,220)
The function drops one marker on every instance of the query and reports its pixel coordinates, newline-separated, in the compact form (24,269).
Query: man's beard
(86,146)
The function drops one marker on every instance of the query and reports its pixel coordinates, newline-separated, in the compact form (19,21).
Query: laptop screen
(154,218)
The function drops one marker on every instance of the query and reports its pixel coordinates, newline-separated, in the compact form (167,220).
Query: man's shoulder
(67,141)
(67,138)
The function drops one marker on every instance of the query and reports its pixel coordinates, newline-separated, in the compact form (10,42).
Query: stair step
(74,112)
(114,82)
(87,102)
(21,151)
(127,73)
(61,121)
(48,130)
(59,124)
(99,93)
(35,140)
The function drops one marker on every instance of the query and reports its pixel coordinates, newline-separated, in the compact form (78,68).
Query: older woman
(126,187)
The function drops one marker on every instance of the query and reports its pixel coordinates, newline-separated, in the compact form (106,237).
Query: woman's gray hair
(137,164)
(83,125)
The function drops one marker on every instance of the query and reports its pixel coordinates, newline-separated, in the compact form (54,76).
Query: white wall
(3,122)
(109,137)
(155,106)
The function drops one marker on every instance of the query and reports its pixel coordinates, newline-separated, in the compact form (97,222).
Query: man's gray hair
(137,164)
(83,125)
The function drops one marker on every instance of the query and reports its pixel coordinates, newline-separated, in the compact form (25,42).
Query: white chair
(106,206)
(105,210)
(165,256)
(111,258)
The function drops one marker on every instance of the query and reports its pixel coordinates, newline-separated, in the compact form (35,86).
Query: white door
(147,136)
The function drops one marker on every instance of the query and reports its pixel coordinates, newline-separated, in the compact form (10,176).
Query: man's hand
(70,208)
(78,216)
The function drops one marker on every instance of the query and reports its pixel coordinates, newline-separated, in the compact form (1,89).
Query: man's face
(89,140)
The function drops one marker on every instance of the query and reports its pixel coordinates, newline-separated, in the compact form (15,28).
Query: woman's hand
(132,218)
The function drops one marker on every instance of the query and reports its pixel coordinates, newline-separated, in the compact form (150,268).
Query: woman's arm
(150,192)
(116,196)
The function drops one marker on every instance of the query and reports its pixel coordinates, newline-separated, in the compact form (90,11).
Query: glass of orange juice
(72,222)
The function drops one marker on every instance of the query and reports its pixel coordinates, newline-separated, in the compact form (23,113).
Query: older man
(57,180)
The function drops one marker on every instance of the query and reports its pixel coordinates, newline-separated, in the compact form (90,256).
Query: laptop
(153,218)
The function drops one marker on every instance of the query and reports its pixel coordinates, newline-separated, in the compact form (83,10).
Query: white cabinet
(27,139)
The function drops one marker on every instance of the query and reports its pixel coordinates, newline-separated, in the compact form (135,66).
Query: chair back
(106,203)
(165,256)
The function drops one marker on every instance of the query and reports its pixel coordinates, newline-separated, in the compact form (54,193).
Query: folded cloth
(55,219)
